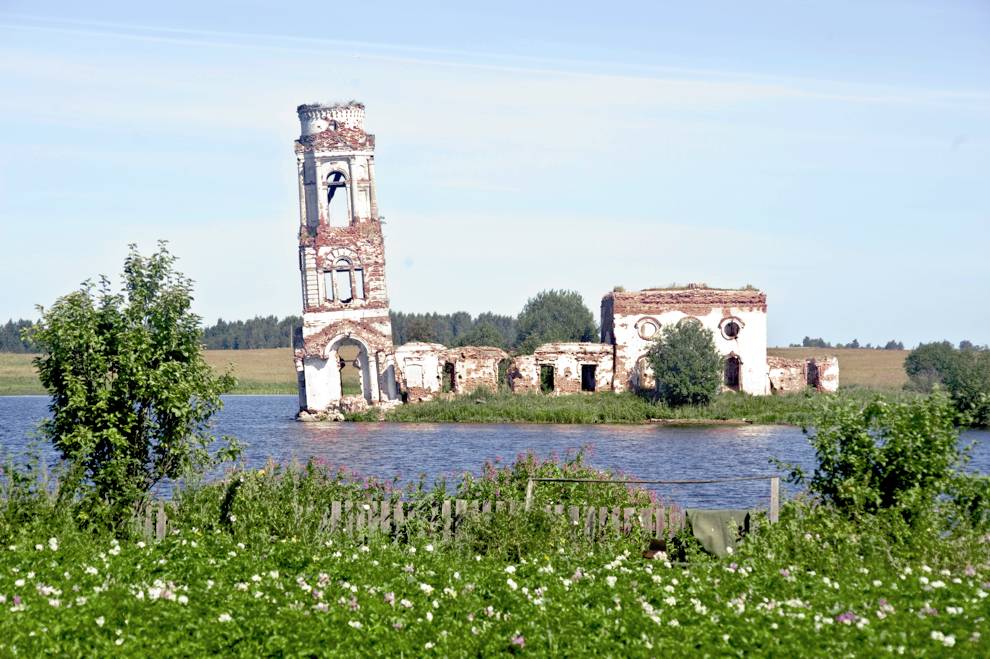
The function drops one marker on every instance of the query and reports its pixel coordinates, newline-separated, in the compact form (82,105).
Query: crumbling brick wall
(474,368)
(792,375)
(567,360)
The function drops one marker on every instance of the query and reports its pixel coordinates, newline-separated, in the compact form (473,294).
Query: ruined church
(346,326)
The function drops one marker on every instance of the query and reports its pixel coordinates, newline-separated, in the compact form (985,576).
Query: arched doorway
(349,369)
(732,371)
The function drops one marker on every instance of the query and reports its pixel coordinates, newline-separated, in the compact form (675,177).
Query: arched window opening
(732,364)
(343,281)
(338,204)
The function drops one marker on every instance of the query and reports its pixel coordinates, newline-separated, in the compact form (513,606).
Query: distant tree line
(809,342)
(258,332)
(11,339)
(551,315)
(964,372)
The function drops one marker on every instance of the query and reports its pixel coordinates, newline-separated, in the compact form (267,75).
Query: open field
(271,371)
(265,371)
(875,369)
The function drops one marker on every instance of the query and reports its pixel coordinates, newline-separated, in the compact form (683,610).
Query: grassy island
(606,407)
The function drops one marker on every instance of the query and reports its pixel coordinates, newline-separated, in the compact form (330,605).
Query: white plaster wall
(428,356)
(319,390)
(750,346)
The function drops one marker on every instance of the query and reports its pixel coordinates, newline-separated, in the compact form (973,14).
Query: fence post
(530,484)
(774,499)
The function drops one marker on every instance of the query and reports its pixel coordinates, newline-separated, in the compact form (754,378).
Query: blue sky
(835,154)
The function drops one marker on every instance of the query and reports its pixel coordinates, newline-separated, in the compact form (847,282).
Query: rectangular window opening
(546,378)
(343,279)
(588,377)
(447,385)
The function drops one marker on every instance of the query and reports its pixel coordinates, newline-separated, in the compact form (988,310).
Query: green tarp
(717,530)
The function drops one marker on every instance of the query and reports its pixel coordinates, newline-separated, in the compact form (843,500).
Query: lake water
(267,428)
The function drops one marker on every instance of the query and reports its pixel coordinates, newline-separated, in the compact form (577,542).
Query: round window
(648,328)
(730,330)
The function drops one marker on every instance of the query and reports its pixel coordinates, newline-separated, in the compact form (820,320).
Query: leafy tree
(131,394)
(421,329)
(686,365)
(506,326)
(968,381)
(928,364)
(482,334)
(809,342)
(885,456)
(554,316)
(893,345)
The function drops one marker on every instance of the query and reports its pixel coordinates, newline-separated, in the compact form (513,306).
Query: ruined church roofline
(692,297)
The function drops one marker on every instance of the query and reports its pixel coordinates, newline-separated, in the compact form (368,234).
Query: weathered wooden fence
(401,518)
(773,512)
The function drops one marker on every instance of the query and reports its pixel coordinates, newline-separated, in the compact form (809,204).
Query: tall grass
(605,407)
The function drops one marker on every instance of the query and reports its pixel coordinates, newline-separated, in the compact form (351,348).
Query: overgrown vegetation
(484,406)
(964,373)
(131,394)
(686,365)
(250,567)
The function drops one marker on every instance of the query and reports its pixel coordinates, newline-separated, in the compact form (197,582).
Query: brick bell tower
(342,264)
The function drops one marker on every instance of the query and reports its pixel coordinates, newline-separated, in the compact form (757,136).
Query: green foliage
(607,407)
(131,393)
(898,457)
(13,337)
(964,373)
(483,333)
(969,385)
(499,481)
(686,365)
(927,365)
(814,584)
(258,332)
(277,501)
(554,315)
(451,329)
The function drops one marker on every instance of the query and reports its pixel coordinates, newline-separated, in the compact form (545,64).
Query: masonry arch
(338,199)
(350,368)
